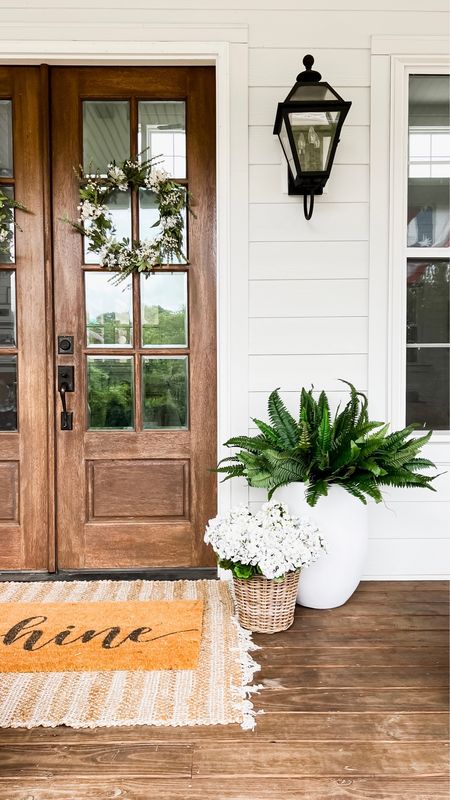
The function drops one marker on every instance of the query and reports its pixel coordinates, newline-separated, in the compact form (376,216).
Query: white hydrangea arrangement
(269,543)
(96,224)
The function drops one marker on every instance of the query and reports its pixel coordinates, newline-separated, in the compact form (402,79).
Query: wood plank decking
(356,709)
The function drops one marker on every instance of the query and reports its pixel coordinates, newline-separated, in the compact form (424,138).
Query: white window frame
(394,59)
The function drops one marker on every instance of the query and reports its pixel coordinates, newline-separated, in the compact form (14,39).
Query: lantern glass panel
(314,133)
(307,92)
(284,139)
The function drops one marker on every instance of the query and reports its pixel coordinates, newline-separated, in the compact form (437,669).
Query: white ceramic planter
(343,521)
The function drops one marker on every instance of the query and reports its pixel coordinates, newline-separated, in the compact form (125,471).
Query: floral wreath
(7,221)
(96,225)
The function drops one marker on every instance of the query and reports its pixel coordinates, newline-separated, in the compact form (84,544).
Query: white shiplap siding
(308,281)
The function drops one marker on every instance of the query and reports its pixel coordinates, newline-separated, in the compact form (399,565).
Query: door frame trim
(226,48)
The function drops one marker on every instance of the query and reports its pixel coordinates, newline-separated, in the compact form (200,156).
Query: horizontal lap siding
(308,290)
(308,293)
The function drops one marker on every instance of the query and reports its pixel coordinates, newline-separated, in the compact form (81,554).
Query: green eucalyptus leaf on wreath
(7,220)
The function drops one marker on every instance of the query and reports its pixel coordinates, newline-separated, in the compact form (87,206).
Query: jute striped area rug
(217,691)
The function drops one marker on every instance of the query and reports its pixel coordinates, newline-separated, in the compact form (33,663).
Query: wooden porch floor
(356,708)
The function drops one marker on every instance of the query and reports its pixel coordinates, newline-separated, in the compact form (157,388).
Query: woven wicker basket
(266,606)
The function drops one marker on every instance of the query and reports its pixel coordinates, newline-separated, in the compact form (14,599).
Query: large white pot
(343,521)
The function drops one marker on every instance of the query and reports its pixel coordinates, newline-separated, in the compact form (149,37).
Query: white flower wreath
(96,225)
(7,221)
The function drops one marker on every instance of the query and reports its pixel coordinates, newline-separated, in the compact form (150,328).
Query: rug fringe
(249,666)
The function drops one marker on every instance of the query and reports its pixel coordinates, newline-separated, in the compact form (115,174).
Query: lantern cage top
(308,124)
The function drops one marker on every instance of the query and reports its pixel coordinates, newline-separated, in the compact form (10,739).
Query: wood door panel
(125,545)
(167,444)
(9,491)
(128,481)
(27,545)
(11,546)
(145,488)
(9,446)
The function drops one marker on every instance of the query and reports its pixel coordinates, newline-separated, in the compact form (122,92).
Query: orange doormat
(130,635)
(216,691)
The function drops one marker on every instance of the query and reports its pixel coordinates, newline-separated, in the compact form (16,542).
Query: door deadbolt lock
(65,345)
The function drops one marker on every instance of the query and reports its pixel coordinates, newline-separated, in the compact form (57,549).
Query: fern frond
(283,422)
(253,443)
(267,431)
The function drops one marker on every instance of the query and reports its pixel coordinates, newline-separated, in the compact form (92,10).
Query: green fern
(348,450)
(283,422)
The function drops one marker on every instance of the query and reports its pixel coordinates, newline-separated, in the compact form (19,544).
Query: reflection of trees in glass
(163,326)
(165,392)
(110,328)
(428,301)
(110,393)
(8,387)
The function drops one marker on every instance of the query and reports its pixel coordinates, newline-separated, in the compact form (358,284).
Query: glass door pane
(106,133)
(162,134)
(164,309)
(109,311)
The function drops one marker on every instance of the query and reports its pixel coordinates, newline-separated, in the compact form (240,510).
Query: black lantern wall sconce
(308,124)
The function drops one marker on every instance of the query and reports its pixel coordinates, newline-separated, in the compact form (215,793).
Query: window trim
(388,214)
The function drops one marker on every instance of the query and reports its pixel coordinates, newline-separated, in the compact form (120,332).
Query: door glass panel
(109,311)
(8,393)
(162,134)
(110,399)
(148,217)
(429,161)
(6,150)
(7,247)
(427,387)
(428,302)
(164,309)
(165,392)
(7,309)
(119,206)
(106,133)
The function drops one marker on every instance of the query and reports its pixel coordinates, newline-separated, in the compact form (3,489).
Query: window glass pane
(165,392)
(110,398)
(8,392)
(7,309)
(428,302)
(427,387)
(164,309)
(149,215)
(429,161)
(6,150)
(119,205)
(109,311)
(7,247)
(106,133)
(162,133)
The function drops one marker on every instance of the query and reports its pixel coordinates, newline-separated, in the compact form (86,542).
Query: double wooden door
(130,485)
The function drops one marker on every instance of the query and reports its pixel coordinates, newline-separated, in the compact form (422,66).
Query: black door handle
(65,384)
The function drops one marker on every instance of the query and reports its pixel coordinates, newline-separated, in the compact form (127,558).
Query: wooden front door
(134,487)
(25,511)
